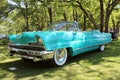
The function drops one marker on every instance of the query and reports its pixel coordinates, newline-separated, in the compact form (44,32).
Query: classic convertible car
(56,44)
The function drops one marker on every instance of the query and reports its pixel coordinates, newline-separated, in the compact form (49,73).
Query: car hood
(48,37)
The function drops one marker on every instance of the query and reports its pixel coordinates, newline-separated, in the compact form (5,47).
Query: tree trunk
(101,15)
(27,19)
(73,15)
(27,24)
(76,16)
(114,26)
(50,15)
(107,17)
(117,26)
(84,28)
(65,17)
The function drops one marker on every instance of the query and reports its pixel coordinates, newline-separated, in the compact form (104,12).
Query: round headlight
(39,41)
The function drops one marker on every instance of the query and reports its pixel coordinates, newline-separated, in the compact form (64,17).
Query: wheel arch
(70,51)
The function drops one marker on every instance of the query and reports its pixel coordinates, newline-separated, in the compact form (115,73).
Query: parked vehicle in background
(60,41)
(2,36)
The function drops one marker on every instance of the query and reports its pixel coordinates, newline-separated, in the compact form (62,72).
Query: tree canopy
(31,15)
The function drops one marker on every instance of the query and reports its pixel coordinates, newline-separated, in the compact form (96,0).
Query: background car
(2,36)
(56,44)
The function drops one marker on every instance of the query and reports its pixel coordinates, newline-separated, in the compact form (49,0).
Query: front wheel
(102,47)
(60,57)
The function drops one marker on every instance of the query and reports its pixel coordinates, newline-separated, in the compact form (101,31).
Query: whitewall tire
(60,57)
(102,47)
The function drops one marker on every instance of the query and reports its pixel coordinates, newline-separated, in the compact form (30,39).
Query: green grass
(93,65)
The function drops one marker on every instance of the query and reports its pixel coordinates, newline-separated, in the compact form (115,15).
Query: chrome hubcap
(102,47)
(60,56)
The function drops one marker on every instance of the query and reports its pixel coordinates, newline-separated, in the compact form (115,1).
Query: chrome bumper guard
(31,54)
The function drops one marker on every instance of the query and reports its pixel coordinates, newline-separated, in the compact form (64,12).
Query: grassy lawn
(93,65)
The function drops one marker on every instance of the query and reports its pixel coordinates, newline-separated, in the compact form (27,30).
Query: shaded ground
(93,65)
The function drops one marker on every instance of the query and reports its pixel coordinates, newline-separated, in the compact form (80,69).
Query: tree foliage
(30,15)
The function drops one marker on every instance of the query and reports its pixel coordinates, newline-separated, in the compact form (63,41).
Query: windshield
(64,26)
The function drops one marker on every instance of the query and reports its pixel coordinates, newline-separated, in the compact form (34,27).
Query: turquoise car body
(76,42)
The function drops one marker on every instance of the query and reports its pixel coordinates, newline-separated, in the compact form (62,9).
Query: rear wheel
(60,57)
(102,47)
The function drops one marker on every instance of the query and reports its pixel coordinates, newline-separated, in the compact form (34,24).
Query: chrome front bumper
(31,54)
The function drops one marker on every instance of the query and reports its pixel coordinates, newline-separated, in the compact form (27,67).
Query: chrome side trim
(89,47)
